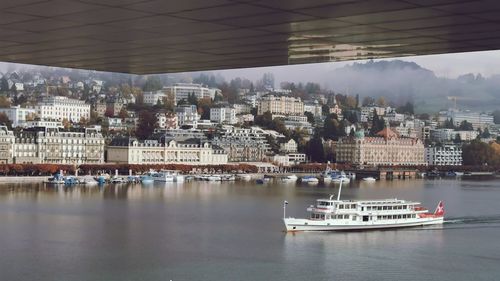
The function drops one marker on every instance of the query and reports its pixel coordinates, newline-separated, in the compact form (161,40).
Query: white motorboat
(88,180)
(341,178)
(117,180)
(337,215)
(310,180)
(369,179)
(168,176)
(245,177)
(289,178)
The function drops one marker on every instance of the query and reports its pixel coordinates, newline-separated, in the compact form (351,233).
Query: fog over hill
(402,81)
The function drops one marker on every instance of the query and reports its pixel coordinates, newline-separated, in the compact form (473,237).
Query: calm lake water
(233,231)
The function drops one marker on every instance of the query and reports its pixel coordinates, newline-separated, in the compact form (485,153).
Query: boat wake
(474,220)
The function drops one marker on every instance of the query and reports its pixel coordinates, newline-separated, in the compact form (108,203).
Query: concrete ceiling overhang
(159,36)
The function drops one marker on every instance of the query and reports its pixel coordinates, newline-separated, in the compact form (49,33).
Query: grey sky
(445,65)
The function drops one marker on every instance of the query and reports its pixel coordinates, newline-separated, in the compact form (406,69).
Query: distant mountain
(400,81)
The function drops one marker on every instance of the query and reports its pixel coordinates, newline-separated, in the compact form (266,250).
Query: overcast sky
(448,65)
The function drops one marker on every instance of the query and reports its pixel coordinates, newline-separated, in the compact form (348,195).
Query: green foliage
(147,124)
(496,116)
(449,124)
(465,126)
(4,120)
(310,117)
(408,108)
(479,153)
(275,147)
(378,124)
(315,149)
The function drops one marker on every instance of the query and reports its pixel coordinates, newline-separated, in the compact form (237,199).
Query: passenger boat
(337,215)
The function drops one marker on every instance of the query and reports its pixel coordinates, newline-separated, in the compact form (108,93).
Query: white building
(446,155)
(315,108)
(368,111)
(446,135)
(7,141)
(187,115)
(41,145)
(289,146)
(478,120)
(181,91)
(18,115)
(226,115)
(152,98)
(291,159)
(189,152)
(281,105)
(59,108)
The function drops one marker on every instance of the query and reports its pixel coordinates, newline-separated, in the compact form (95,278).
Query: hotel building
(127,150)
(387,148)
(281,105)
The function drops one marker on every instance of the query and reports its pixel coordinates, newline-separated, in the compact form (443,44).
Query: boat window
(346,217)
(323,217)
(385,207)
(399,216)
(341,206)
(353,206)
(379,208)
(389,208)
(405,207)
(365,218)
(354,217)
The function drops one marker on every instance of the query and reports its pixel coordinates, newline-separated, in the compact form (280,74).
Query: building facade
(7,141)
(162,151)
(59,108)
(444,155)
(44,145)
(187,115)
(182,91)
(223,115)
(281,105)
(243,145)
(387,148)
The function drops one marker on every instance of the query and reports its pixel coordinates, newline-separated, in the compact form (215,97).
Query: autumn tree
(4,102)
(4,120)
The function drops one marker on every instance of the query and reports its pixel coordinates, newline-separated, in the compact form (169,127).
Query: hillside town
(76,117)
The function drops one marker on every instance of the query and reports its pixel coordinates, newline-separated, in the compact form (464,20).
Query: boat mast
(340,190)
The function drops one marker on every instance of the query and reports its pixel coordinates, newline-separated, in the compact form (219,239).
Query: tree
(204,105)
(486,134)
(275,147)
(4,102)
(496,116)
(351,102)
(381,102)
(315,149)
(192,99)
(66,123)
(147,124)
(332,128)
(310,117)
(109,112)
(153,83)
(378,123)
(457,139)
(406,109)
(479,153)
(449,124)
(465,126)
(123,113)
(4,119)
(4,85)
(368,101)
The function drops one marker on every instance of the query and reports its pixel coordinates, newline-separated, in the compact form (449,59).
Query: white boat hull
(293,224)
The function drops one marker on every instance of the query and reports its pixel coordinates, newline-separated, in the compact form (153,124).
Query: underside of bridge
(159,36)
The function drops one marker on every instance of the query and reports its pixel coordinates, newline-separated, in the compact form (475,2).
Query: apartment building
(182,91)
(59,108)
(223,115)
(18,115)
(281,105)
(444,155)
